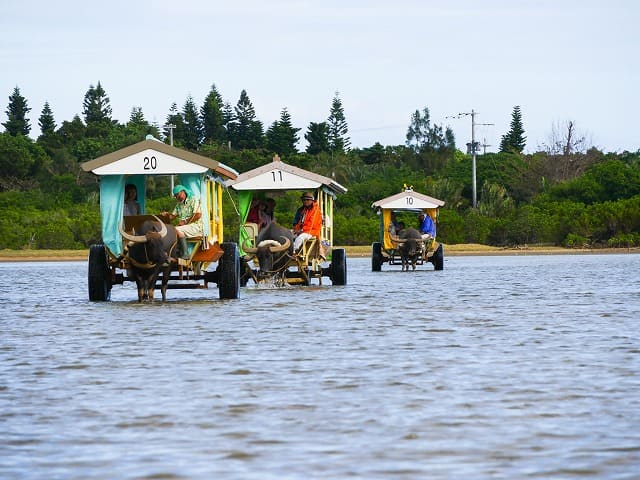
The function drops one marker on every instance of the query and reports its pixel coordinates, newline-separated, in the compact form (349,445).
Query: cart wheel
(99,274)
(376,257)
(339,266)
(438,258)
(229,271)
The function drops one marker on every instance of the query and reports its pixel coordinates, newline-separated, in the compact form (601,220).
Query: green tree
(17,122)
(338,129)
(192,125)
(46,122)
(52,142)
(514,140)
(212,118)
(72,132)
(20,161)
(137,117)
(248,131)
(229,122)
(96,109)
(137,128)
(174,126)
(282,137)
(423,137)
(318,137)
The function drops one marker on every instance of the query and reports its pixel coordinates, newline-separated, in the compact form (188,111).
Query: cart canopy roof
(407,200)
(278,175)
(153,157)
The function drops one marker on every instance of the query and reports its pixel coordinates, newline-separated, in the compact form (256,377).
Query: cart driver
(189,216)
(427,227)
(307,222)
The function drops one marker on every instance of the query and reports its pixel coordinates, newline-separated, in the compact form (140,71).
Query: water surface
(496,367)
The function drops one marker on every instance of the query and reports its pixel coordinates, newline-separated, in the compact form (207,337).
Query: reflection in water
(496,367)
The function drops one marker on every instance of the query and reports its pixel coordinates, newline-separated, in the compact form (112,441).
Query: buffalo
(149,252)
(410,245)
(274,248)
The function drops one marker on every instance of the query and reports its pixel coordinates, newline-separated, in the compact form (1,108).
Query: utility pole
(170,127)
(473,148)
(484,146)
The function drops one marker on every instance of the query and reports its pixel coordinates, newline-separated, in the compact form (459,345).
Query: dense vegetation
(564,194)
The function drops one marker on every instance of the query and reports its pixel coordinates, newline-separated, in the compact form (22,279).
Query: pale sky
(559,60)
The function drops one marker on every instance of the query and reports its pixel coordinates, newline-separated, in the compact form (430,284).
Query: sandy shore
(352,251)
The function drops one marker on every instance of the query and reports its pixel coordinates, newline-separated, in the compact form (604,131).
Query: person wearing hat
(427,227)
(307,222)
(189,216)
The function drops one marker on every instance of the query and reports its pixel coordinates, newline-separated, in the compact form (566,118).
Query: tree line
(567,193)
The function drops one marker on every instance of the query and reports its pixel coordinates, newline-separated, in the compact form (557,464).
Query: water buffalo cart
(267,252)
(406,246)
(142,248)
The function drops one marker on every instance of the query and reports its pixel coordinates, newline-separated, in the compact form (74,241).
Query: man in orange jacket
(307,222)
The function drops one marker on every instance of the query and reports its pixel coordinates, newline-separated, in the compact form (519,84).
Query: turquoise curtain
(111,203)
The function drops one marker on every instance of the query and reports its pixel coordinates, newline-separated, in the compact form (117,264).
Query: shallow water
(496,367)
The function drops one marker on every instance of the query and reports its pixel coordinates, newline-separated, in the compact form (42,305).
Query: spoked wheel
(99,274)
(339,266)
(229,271)
(376,257)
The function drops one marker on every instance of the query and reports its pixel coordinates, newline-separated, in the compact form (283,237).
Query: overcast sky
(559,60)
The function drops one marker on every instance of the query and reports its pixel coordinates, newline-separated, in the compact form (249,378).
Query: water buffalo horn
(396,239)
(131,238)
(249,249)
(163,229)
(282,247)
(142,238)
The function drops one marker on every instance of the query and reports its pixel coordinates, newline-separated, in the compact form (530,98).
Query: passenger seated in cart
(254,212)
(427,227)
(307,222)
(394,225)
(261,212)
(266,213)
(189,216)
(131,205)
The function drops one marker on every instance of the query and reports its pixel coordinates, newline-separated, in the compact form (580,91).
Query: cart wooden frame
(203,176)
(309,264)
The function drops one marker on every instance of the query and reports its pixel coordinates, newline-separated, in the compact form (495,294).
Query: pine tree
(137,117)
(46,121)
(96,108)
(514,140)
(137,128)
(281,137)
(248,131)
(192,126)
(338,140)
(318,137)
(212,118)
(17,122)
(229,122)
(175,134)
